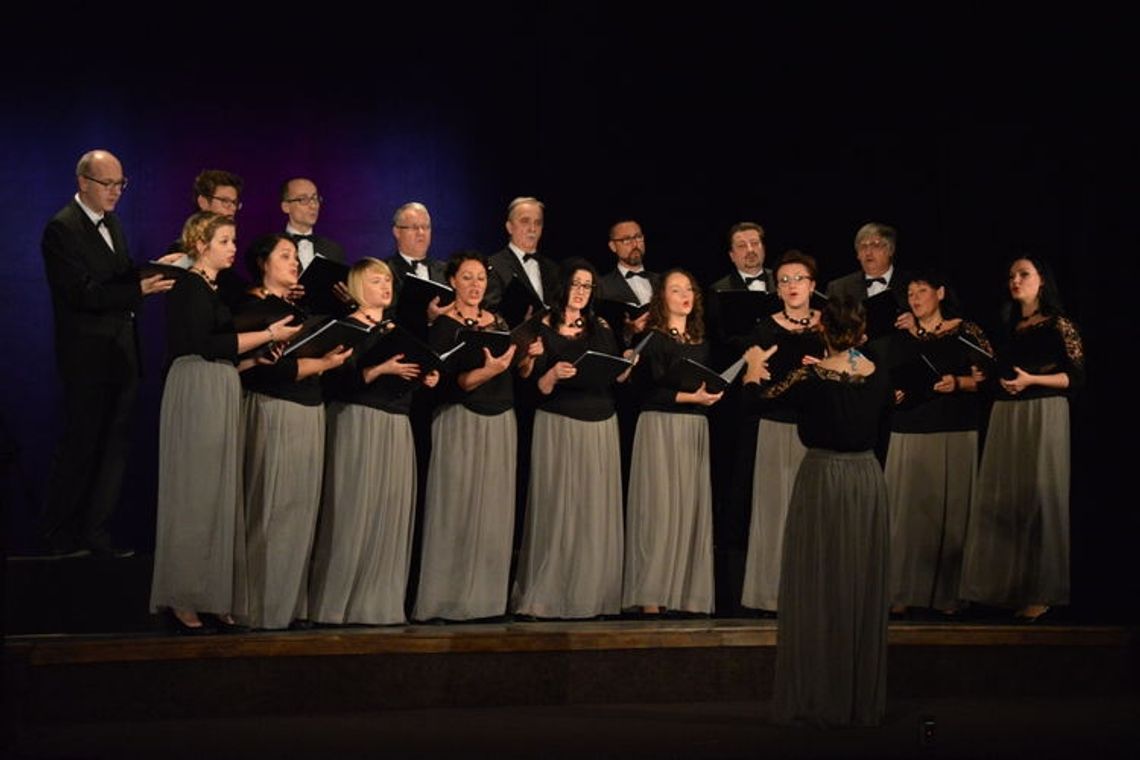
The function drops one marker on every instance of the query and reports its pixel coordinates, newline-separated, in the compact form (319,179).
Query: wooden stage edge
(59,649)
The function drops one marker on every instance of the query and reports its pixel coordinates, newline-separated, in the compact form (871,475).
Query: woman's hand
(977,374)
(809,360)
(900,396)
(281,332)
(757,360)
(393,366)
(948,384)
(498,364)
(1019,383)
(335,358)
(560,371)
(700,396)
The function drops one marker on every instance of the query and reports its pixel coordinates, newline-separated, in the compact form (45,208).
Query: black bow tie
(298,238)
(529,257)
(749,280)
(631,274)
(101,223)
(872,280)
(413,266)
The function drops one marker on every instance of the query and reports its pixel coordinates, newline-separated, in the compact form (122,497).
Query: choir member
(795,329)
(669,542)
(570,564)
(284,422)
(469,514)
(364,533)
(1017,544)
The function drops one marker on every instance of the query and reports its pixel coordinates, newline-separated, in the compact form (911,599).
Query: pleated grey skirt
(469,516)
(778,456)
(284,457)
(930,484)
(364,533)
(668,539)
(570,563)
(831,657)
(1017,543)
(199,551)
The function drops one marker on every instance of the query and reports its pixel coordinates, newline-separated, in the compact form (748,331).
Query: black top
(197,322)
(388,393)
(835,410)
(495,396)
(794,345)
(650,376)
(1050,346)
(587,404)
(922,409)
(279,380)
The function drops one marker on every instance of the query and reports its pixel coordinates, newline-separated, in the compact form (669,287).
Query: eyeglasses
(581,286)
(414,227)
(306,200)
(785,279)
(874,244)
(233,203)
(638,238)
(110,184)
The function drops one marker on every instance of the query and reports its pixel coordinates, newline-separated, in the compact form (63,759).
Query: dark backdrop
(975,135)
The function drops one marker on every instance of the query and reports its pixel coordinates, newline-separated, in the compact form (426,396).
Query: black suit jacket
(615,287)
(400,268)
(853,286)
(504,264)
(733,281)
(94,292)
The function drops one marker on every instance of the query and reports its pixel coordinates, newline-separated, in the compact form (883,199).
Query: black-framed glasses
(414,227)
(638,238)
(233,203)
(306,200)
(575,285)
(784,279)
(110,184)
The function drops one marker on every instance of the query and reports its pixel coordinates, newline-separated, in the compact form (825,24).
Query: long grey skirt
(778,456)
(469,516)
(831,658)
(1017,543)
(284,457)
(570,563)
(930,483)
(668,539)
(199,551)
(364,533)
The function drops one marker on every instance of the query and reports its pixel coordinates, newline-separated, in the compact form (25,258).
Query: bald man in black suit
(95,291)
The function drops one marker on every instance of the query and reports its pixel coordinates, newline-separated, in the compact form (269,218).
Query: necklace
(853,356)
(801,321)
(469,321)
(677,335)
(1030,315)
(578,323)
(923,331)
(202,273)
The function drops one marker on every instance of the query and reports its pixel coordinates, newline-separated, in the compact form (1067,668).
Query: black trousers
(87,471)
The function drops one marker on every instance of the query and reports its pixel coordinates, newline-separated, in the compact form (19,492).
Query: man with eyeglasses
(875,249)
(520,260)
(411,227)
(629,282)
(96,291)
(302,204)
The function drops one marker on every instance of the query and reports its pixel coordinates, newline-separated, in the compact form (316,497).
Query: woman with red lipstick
(199,556)
(669,545)
(933,453)
(469,514)
(1017,544)
(570,564)
(284,417)
(795,329)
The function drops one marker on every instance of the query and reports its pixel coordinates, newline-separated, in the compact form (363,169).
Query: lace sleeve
(1074,363)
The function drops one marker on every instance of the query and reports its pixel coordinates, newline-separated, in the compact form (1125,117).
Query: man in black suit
(629,282)
(733,432)
(536,273)
(411,227)
(95,290)
(875,249)
(302,204)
